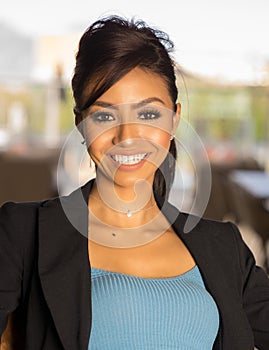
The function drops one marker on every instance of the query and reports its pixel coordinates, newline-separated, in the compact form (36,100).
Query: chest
(136,313)
(166,256)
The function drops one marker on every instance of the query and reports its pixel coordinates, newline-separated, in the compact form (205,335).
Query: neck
(122,206)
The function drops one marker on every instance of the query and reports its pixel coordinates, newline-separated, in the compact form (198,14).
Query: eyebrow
(134,105)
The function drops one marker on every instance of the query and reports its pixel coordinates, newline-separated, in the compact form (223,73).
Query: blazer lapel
(207,242)
(203,254)
(195,242)
(64,266)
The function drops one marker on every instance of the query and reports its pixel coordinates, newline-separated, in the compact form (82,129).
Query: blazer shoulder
(18,226)
(205,226)
(14,214)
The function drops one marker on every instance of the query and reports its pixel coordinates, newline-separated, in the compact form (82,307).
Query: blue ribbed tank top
(134,313)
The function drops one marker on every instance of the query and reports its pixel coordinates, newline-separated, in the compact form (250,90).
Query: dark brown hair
(109,49)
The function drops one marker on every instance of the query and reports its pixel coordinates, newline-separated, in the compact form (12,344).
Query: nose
(125,133)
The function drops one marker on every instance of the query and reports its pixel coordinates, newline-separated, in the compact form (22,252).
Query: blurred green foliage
(34,101)
(221,112)
(66,112)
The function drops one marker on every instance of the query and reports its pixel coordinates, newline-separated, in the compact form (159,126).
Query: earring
(171,137)
(83,142)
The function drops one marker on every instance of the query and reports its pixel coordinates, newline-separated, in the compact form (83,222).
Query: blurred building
(52,52)
(17,55)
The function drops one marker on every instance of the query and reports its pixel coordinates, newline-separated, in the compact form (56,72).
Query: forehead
(137,85)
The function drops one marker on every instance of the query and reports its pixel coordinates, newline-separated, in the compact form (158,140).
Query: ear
(176,118)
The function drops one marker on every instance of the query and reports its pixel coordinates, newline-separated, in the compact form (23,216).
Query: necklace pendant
(129,213)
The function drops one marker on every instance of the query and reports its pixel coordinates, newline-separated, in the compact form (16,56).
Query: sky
(225,40)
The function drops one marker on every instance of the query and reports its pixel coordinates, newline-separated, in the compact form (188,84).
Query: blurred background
(222,53)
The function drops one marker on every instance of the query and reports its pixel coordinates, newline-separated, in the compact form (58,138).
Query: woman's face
(128,129)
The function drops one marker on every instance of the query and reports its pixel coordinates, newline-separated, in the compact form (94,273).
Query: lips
(130,159)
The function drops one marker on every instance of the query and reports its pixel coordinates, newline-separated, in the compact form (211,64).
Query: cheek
(98,143)
(95,148)
(160,139)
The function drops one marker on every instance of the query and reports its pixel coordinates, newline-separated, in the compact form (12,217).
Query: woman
(109,267)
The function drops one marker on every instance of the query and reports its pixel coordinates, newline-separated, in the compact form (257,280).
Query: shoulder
(223,240)
(15,214)
(19,221)
(207,228)
(18,215)
(18,209)
(223,231)
(18,226)
(225,235)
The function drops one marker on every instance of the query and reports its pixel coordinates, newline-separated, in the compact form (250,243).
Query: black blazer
(45,275)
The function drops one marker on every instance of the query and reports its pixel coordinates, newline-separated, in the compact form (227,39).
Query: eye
(149,115)
(102,117)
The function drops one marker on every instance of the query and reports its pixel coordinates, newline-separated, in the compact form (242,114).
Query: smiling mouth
(131,159)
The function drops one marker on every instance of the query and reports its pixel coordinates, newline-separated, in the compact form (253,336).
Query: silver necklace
(129,213)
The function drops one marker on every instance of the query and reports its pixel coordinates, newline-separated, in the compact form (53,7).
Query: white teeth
(130,159)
